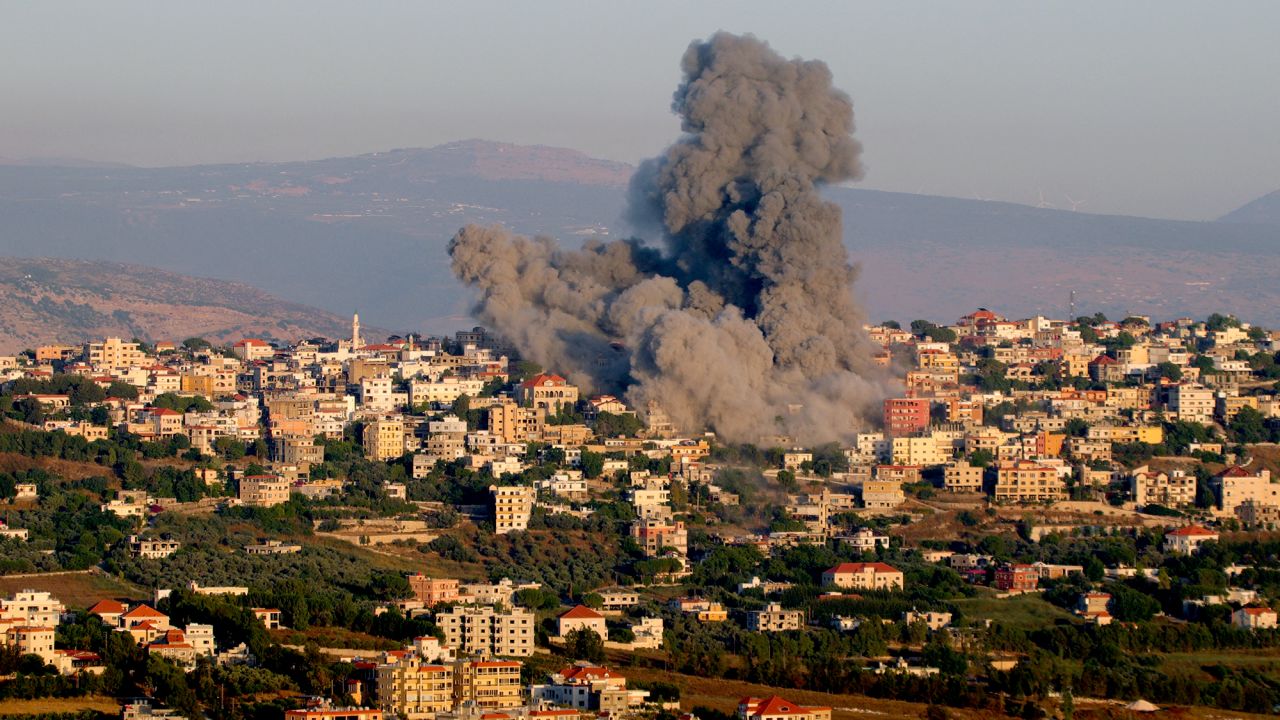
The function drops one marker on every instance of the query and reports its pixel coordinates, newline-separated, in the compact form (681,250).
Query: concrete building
(512,507)
(264,490)
(1028,481)
(774,619)
(485,630)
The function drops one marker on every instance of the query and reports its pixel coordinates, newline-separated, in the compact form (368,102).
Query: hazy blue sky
(1164,108)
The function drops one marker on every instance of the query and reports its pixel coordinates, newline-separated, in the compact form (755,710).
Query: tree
(1248,426)
(1170,371)
(196,343)
(592,463)
(891,324)
(461,406)
(585,645)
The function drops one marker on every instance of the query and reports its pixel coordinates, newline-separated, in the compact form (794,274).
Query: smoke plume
(746,323)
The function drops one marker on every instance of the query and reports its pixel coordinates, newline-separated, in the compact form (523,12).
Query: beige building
(1027,481)
(1157,488)
(960,476)
(547,392)
(882,494)
(264,490)
(774,619)
(864,576)
(1236,485)
(512,507)
(484,630)
(923,451)
(1192,403)
(582,617)
(514,423)
(113,353)
(489,685)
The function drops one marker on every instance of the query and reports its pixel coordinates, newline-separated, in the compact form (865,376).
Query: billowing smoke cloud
(746,324)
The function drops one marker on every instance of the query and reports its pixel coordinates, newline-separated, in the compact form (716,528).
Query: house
(589,687)
(264,490)
(933,620)
(109,611)
(1187,540)
(704,610)
(774,619)
(1017,578)
(547,392)
(269,617)
(582,617)
(1254,618)
(433,591)
(1094,607)
(152,549)
(864,576)
(776,708)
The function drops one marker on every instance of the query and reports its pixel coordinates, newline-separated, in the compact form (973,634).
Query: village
(1106,474)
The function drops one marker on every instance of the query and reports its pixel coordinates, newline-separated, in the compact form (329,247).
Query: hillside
(45,300)
(369,232)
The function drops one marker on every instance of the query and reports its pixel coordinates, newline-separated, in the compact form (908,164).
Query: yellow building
(113,353)
(512,507)
(412,689)
(384,439)
(488,684)
(516,424)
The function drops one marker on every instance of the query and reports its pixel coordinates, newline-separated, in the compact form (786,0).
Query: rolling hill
(47,300)
(369,232)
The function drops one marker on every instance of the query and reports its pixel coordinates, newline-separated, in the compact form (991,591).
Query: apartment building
(264,490)
(906,416)
(1236,486)
(413,689)
(514,423)
(512,507)
(489,685)
(1028,481)
(776,708)
(960,476)
(113,353)
(1176,489)
(384,439)
(485,630)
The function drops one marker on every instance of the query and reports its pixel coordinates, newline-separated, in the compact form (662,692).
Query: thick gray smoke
(746,324)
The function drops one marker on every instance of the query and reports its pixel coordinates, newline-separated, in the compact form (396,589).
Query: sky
(1162,109)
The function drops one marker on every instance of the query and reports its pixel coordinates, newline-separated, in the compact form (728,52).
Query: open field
(71,470)
(17,706)
(77,590)
(1028,611)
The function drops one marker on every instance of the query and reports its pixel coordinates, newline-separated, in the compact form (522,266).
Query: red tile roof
(851,567)
(1193,531)
(581,612)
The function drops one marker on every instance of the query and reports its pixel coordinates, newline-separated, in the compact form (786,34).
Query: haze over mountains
(368,233)
(50,300)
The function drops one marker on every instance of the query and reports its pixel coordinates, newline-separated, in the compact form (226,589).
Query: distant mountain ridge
(1263,211)
(370,231)
(47,300)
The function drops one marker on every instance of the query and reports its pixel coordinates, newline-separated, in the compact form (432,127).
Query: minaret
(356,344)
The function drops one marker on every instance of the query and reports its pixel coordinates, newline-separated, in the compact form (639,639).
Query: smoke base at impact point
(746,324)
